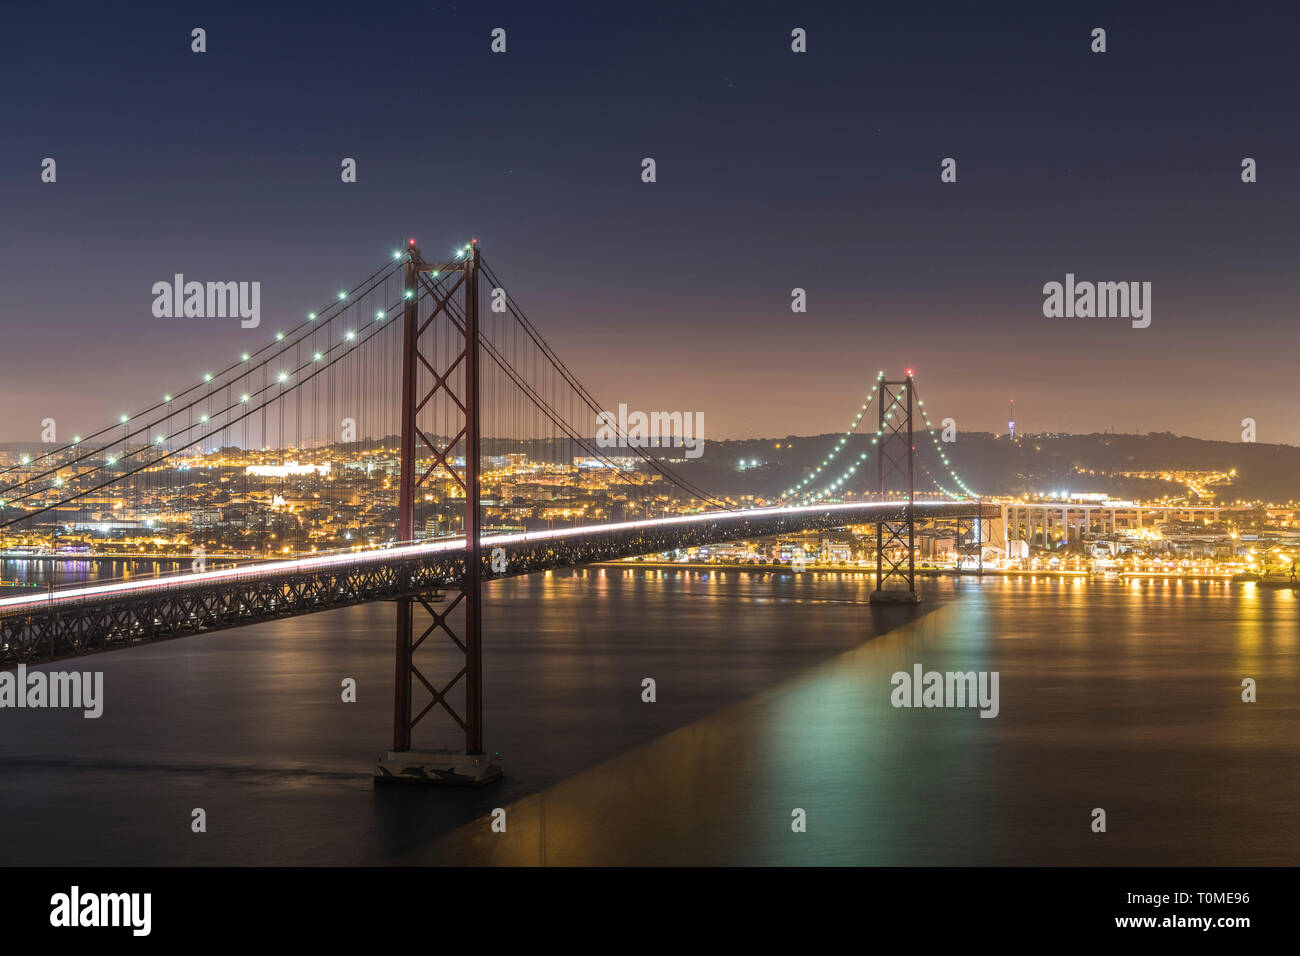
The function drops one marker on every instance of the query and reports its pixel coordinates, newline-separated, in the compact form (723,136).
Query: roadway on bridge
(855,513)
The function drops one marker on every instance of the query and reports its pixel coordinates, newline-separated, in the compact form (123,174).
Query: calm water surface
(773,694)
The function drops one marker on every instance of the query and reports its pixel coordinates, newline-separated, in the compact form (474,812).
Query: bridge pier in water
(472,766)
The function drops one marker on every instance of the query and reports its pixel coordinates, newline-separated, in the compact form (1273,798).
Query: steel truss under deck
(71,628)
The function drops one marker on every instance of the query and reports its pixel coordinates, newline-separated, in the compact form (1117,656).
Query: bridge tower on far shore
(452,290)
(896,540)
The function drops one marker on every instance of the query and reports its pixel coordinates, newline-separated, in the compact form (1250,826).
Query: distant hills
(1032,464)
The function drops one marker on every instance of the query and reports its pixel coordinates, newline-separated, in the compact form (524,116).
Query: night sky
(775,170)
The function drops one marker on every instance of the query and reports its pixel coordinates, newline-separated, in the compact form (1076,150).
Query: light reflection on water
(773,694)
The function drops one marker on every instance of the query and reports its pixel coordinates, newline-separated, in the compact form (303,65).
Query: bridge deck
(93,618)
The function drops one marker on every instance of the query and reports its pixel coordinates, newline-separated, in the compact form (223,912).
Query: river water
(773,696)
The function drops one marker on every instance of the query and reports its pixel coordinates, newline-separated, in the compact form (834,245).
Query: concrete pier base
(898,596)
(447,768)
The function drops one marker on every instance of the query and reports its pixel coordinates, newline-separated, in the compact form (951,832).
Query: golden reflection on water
(1125,696)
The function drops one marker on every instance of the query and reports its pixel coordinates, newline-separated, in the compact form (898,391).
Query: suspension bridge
(413,351)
